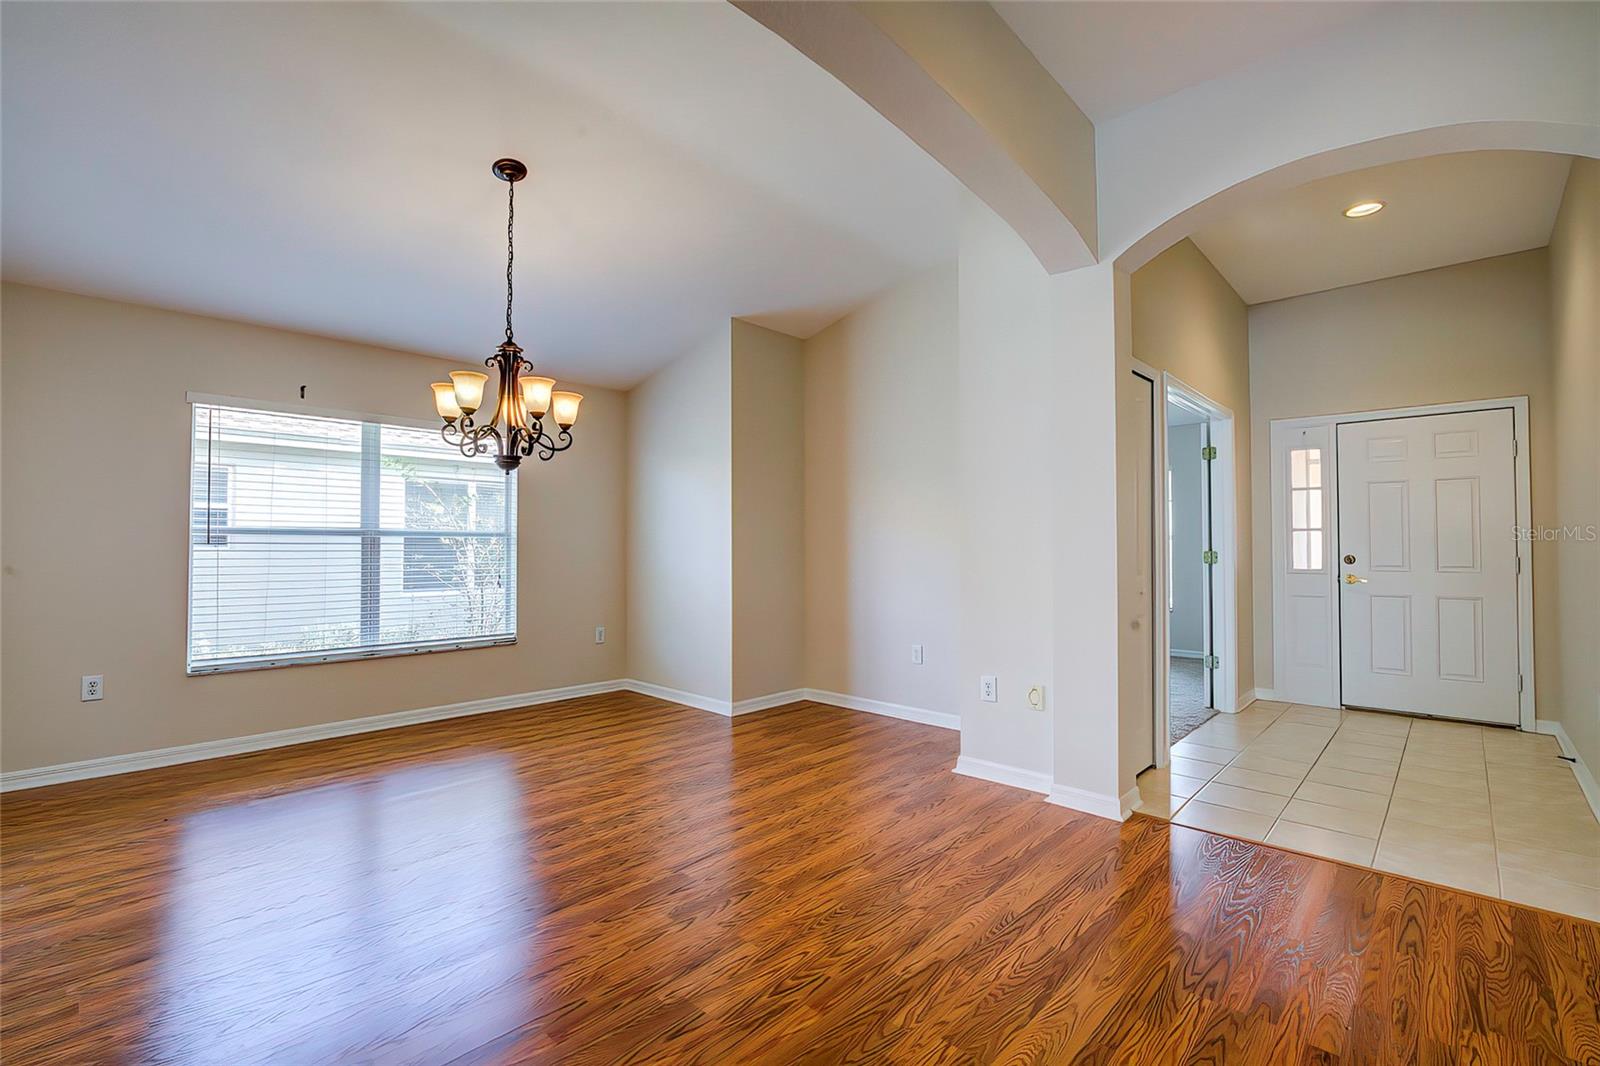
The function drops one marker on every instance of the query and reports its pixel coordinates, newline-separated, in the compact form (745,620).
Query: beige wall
(680,523)
(96,534)
(1187,320)
(1574,564)
(1467,332)
(881,548)
(768,512)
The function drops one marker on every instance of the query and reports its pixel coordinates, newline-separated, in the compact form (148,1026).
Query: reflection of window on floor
(427,863)
(1305,509)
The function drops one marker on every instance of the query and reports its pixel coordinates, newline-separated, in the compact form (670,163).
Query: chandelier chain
(511,216)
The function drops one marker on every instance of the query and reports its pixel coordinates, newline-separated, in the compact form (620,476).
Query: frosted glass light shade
(468,386)
(444,400)
(536,395)
(565,408)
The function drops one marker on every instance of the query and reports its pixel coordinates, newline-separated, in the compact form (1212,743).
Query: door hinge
(1519,684)
(1209,452)
(1513,446)
(1519,564)
(1209,557)
(1211,662)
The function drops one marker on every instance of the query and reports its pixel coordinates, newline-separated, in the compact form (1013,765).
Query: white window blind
(314,539)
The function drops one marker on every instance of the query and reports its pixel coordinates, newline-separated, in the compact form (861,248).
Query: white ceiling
(1441,209)
(325,167)
(1114,57)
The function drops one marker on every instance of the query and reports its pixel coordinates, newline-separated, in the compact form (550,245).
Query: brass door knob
(1351,579)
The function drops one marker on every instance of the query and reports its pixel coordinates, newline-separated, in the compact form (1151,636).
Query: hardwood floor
(617,879)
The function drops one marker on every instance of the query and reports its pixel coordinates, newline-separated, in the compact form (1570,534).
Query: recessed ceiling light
(1363,209)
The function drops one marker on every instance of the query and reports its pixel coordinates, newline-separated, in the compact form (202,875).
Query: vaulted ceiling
(325,167)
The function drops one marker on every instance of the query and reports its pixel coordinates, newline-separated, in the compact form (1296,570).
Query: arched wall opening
(1581,142)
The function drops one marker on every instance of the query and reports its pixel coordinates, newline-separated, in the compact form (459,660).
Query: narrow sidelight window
(1306,531)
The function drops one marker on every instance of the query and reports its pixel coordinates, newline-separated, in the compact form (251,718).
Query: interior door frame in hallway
(1224,635)
(1320,638)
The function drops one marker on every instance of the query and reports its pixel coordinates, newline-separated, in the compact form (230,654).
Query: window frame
(279,661)
(1319,491)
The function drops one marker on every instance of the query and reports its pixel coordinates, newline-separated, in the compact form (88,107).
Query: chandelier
(515,428)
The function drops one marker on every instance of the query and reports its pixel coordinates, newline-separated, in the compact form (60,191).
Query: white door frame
(1518,406)
(1158,526)
(1225,536)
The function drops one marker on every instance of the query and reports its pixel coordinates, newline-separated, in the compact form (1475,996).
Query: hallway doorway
(1191,555)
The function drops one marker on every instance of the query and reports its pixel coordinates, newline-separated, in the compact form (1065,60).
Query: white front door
(1428,565)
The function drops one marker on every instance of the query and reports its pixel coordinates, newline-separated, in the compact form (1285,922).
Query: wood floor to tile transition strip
(618,879)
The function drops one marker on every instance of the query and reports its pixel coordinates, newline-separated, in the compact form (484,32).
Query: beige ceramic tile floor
(1491,810)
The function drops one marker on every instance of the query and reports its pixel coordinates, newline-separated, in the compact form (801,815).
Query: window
(444,563)
(345,539)
(208,509)
(1305,509)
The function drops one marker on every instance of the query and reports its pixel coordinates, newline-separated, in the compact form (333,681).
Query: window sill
(275,662)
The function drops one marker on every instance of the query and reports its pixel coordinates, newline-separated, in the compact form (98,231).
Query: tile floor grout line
(1377,845)
(1494,838)
(1307,775)
(1303,777)
(1213,777)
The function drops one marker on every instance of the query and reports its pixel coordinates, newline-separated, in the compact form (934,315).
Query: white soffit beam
(959,83)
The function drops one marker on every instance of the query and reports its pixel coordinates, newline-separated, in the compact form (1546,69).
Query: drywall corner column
(768,498)
(680,523)
(1006,455)
(1092,329)
(1574,700)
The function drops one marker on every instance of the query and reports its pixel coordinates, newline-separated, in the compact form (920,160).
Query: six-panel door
(1428,565)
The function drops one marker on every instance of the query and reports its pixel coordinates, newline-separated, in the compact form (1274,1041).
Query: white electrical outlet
(916,654)
(988,689)
(1036,697)
(94,687)
(599,634)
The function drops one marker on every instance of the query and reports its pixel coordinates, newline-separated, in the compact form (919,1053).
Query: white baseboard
(892,710)
(1580,770)
(1247,699)
(1267,694)
(1002,774)
(673,695)
(770,700)
(1115,808)
(283,738)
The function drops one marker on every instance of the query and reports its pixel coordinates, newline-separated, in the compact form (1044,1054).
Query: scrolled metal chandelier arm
(516,422)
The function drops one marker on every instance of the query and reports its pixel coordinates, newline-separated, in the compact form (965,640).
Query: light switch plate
(916,654)
(599,634)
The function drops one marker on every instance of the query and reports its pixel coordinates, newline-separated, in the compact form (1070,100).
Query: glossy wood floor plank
(621,880)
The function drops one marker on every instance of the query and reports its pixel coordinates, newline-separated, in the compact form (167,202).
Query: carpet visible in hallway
(1187,691)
